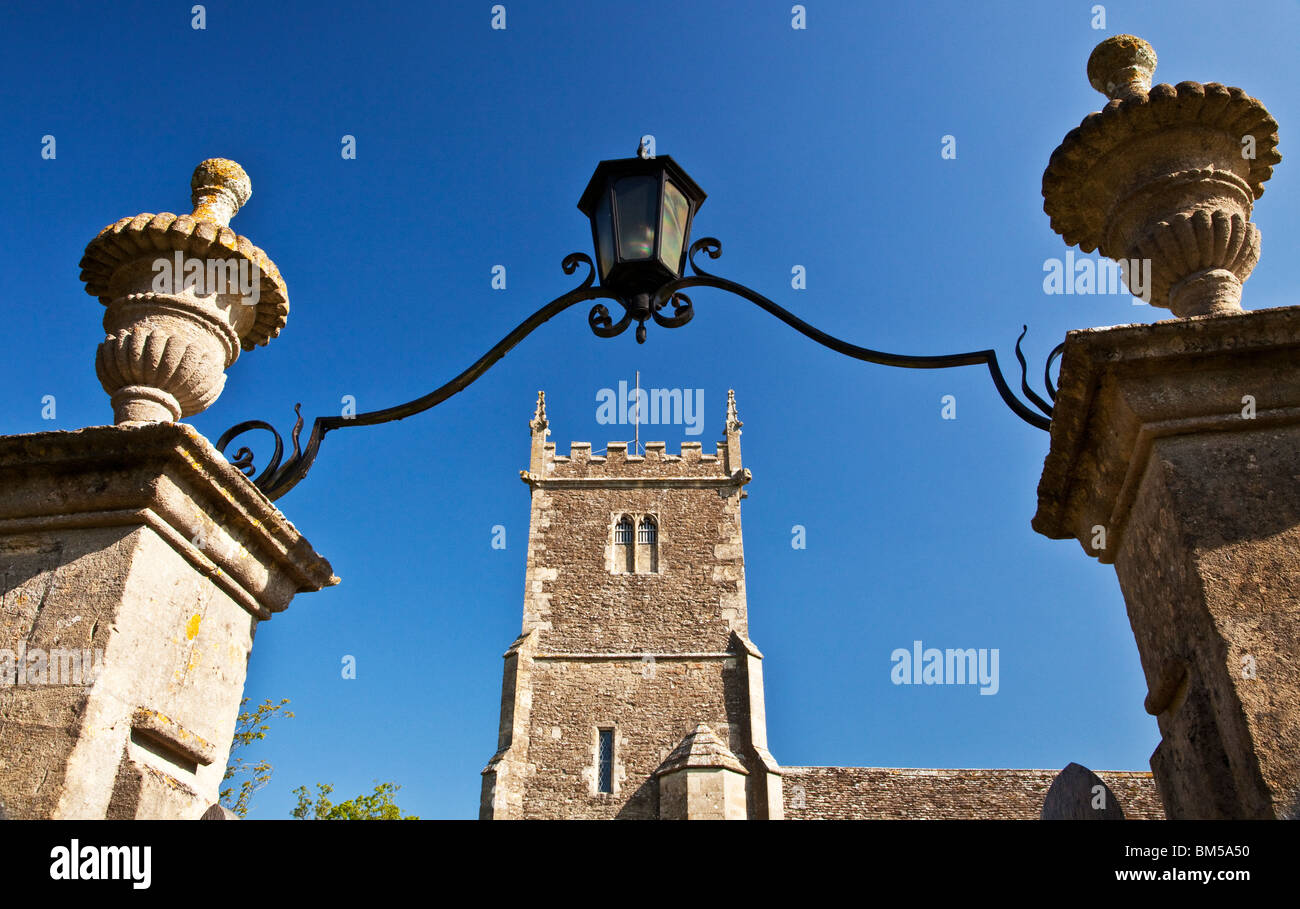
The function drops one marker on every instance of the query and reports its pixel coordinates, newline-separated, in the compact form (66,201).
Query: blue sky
(818,147)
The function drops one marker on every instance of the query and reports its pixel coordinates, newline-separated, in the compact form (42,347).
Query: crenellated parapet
(617,465)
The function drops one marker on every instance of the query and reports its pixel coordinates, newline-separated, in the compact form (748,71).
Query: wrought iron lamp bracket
(278,478)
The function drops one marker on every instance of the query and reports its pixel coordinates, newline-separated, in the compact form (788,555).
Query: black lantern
(641,211)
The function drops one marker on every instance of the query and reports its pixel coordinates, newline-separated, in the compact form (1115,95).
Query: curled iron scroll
(278,478)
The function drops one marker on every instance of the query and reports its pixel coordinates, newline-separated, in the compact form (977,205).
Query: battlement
(691,462)
(617,462)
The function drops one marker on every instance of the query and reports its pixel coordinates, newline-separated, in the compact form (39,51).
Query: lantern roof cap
(637,167)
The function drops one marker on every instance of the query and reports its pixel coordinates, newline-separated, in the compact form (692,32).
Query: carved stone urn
(184,294)
(1166,175)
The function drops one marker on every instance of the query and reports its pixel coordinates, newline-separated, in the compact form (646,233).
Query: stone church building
(634,690)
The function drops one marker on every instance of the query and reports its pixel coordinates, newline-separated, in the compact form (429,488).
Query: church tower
(633,690)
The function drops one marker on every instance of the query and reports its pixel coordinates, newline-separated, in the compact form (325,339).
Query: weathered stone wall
(142,547)
(651,708)
(606,638)
(713,794)
(697,596)
(174,675)
(1173,456)
(39,724)
(650,654)
(1222,654)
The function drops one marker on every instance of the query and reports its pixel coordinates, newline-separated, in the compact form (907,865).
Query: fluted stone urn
(184,294)
(1166,174)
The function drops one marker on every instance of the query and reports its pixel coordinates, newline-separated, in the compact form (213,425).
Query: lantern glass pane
(604,237)
(638,203)
(674,227)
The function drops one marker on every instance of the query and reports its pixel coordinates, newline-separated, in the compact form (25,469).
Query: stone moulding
(153,475)
(1123,388)
(172,735)
(635,656)
(1080,217)
(738,479)
(150,236)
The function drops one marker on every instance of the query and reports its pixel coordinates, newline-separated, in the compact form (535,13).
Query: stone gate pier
(135,560)
(1175,447)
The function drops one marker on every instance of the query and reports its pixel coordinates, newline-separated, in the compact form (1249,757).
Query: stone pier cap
(168,477)
(1124,387)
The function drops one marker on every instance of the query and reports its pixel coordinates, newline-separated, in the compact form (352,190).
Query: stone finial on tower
(184,294)
(1163,180)
(540,427)
(733,421)
(538,423)
(732,430)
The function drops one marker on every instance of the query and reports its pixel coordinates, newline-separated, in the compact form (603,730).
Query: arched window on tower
(624,553)
(647,545)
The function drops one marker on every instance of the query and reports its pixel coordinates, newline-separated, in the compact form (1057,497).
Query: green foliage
(251,727)
(375,807)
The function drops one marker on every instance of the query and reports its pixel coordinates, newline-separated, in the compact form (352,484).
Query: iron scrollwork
(668,307)
(639,309)
(276,478)
(989,358)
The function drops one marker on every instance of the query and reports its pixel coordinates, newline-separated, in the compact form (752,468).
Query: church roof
(887,793)
(701,750)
